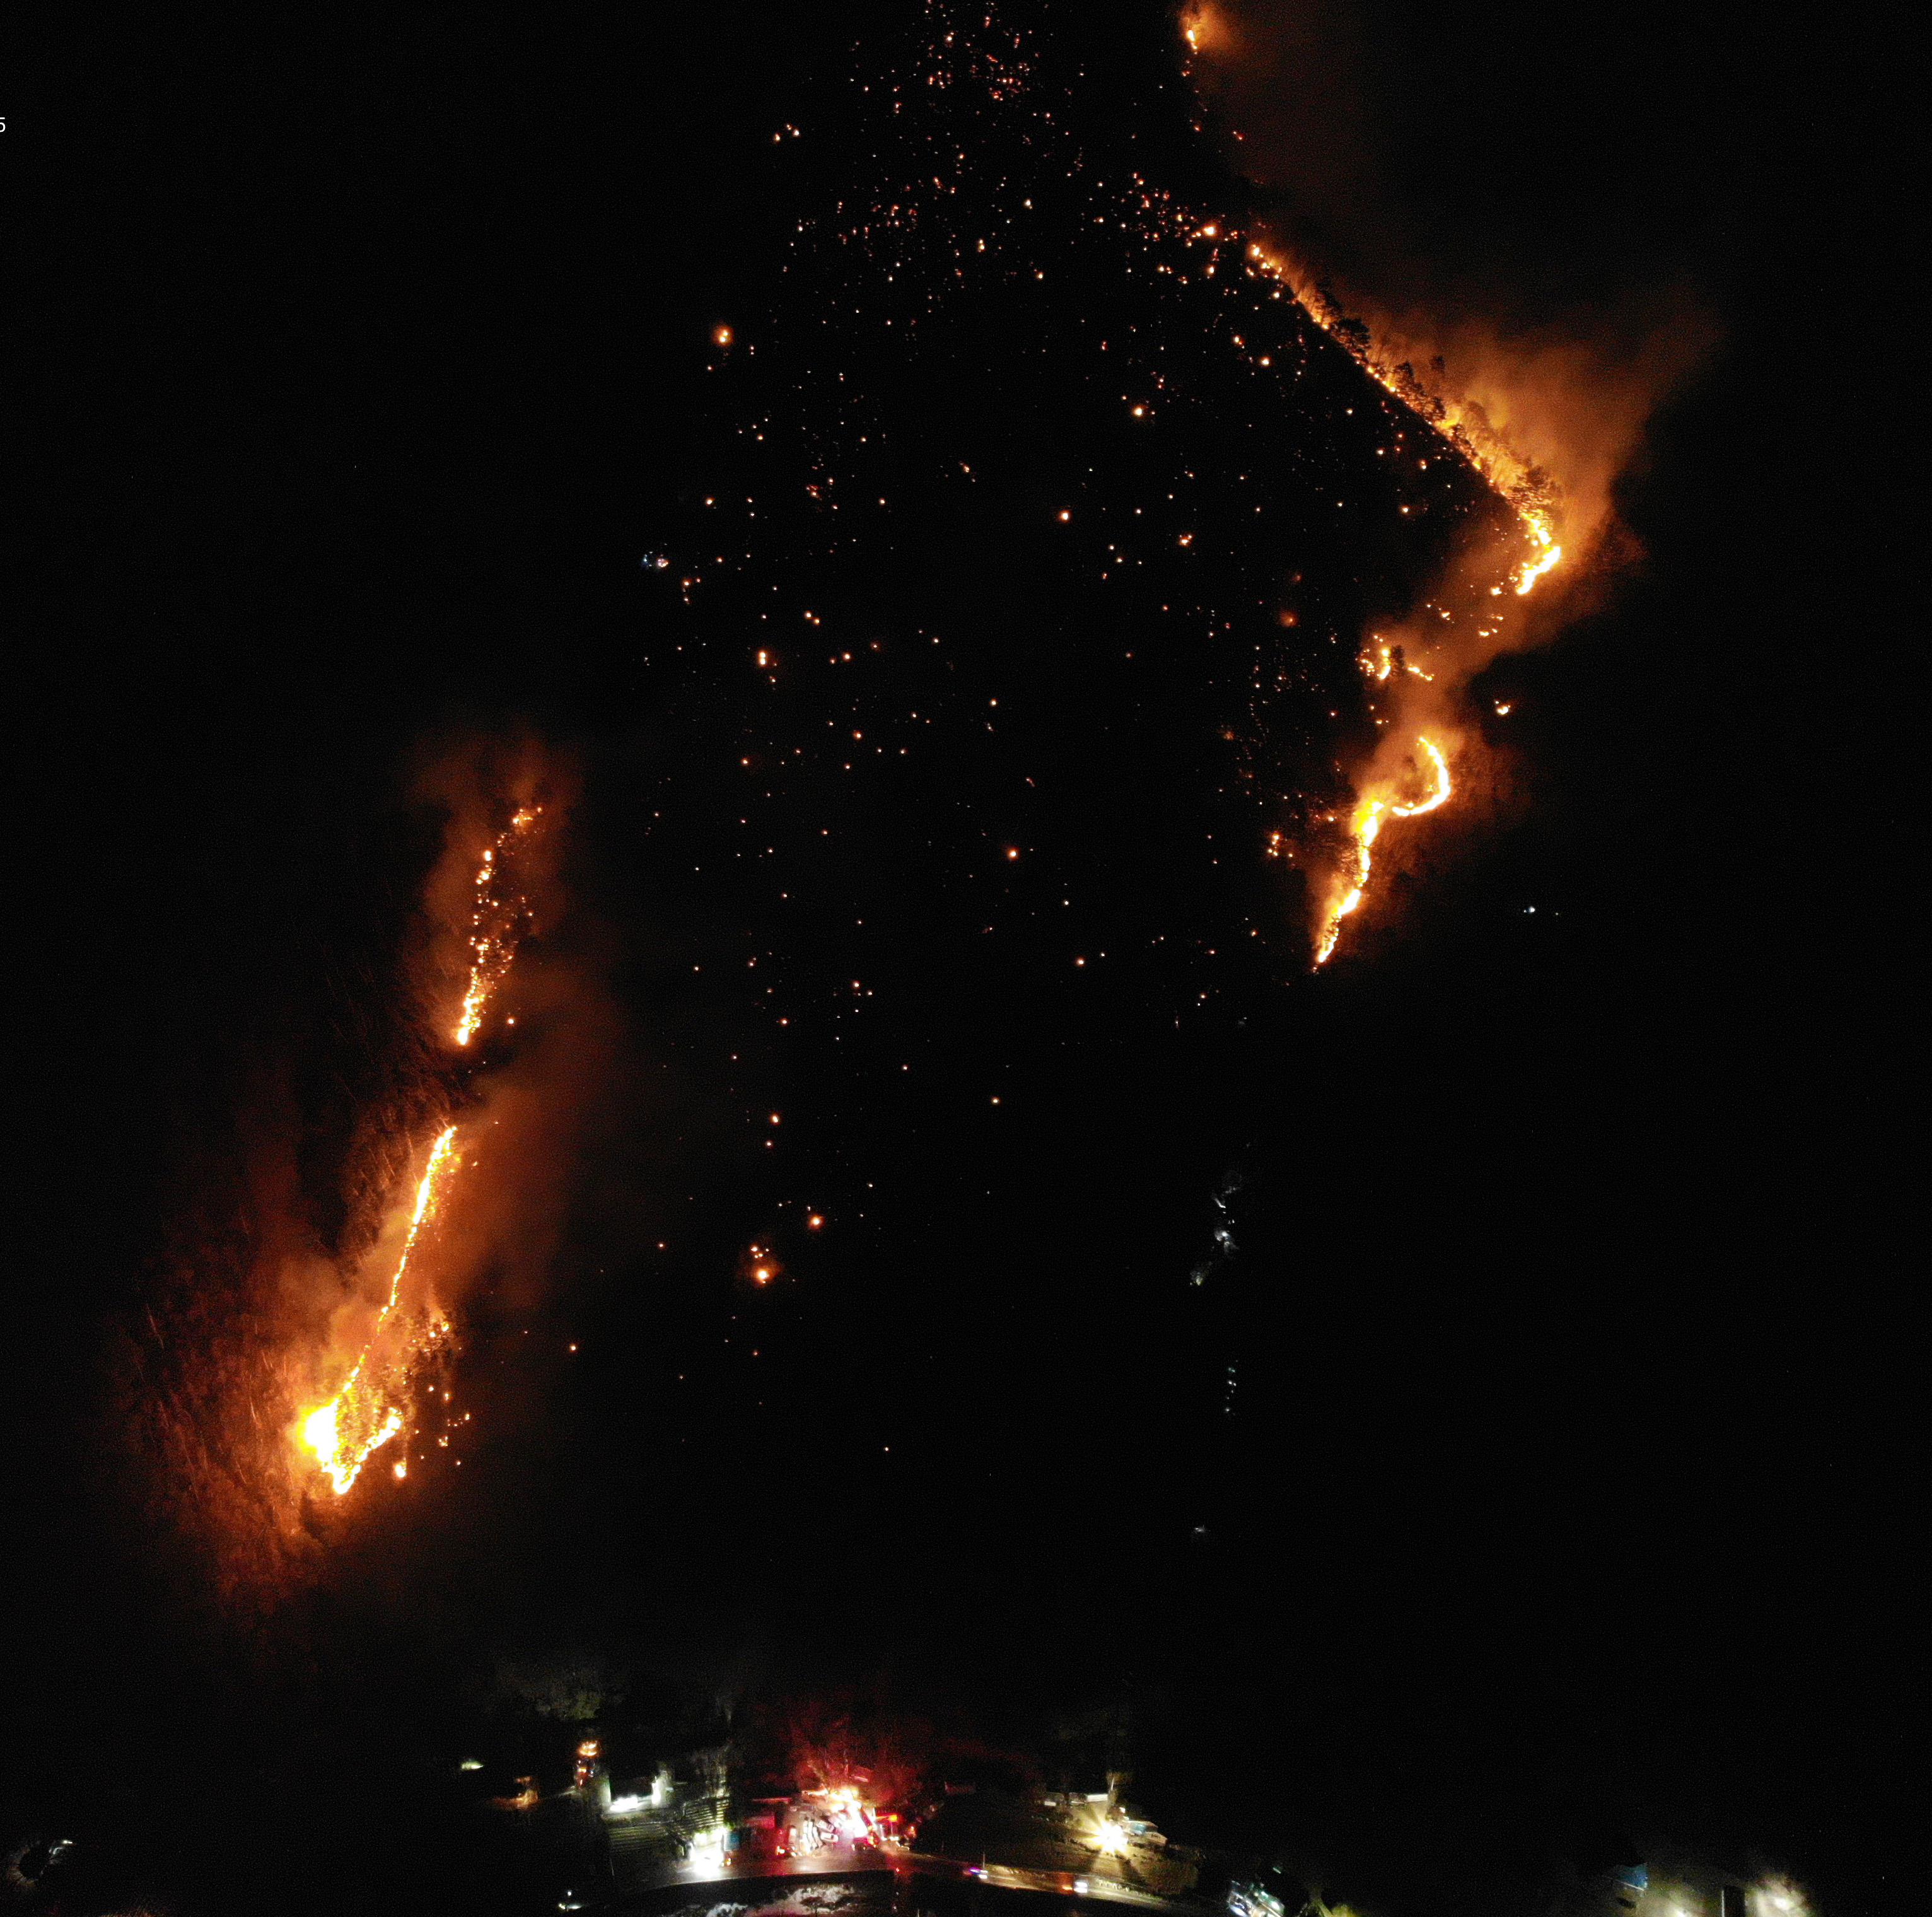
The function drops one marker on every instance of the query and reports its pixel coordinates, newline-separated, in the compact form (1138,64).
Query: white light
(707,1852)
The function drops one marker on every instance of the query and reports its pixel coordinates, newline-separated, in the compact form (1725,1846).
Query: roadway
(1101,1882)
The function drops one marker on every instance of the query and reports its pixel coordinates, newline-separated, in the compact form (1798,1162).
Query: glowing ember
(496,923)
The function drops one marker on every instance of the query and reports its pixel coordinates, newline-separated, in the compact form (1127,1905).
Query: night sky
(932,566)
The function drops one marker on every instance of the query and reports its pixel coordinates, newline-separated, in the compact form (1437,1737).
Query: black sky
(1562,1478)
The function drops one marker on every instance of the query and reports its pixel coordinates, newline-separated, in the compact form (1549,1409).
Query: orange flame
(1204,29)
(1531,494)
(1365,825)
(364,1416)
(368,1411)
(495,926)
(1550,556)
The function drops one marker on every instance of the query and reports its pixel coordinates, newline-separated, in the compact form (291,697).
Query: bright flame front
(1365,826)
(367,1412)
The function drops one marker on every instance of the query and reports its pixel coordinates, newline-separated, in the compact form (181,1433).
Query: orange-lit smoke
(1550,419)
(1206,30)
(1547,399)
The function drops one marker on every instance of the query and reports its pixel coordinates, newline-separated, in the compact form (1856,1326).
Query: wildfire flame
(495,926)
(1365,824)
(368,1410)
(1531,495)
(1204,29)
(1550,554)
(363,1417)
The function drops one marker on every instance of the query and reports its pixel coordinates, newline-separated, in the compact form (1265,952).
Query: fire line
(1364,825)
(1529,494)
(371,1422)
(367,1410)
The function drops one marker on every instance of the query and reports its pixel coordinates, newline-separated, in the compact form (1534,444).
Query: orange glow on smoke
(1204,30)
(1531,494)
